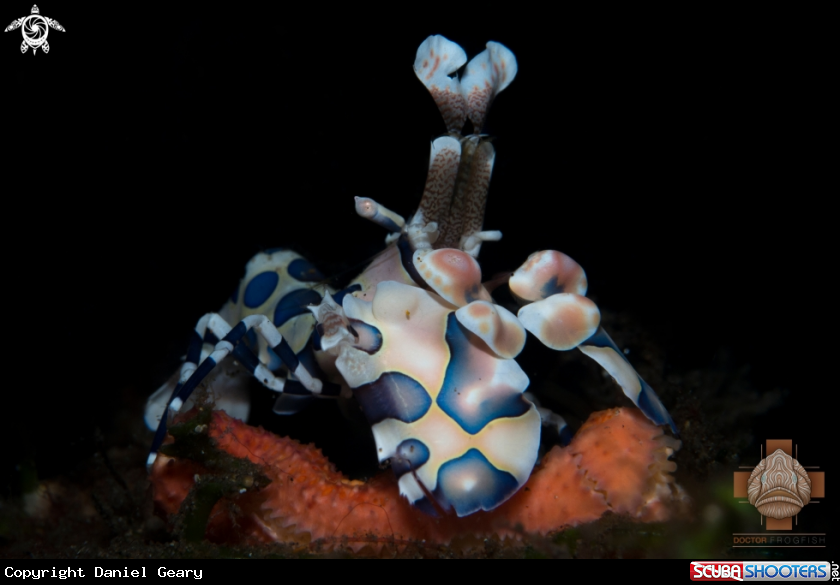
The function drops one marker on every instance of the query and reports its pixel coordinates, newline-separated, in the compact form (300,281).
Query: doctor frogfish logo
(35,29)
(779,487)
(760,571)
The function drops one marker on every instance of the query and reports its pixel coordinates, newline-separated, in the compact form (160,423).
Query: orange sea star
(617,461)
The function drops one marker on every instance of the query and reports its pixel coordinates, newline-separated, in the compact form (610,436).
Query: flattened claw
(601,348)
(437,59)
(562,321)
(547,273)
(562,318)
(451,273)
(495,325)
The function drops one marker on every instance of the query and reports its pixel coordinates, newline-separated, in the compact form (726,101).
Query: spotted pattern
(479,387)
(495,325)
(442,393)
(369,338)
(487,74)
(552,287)
(450,225)
(451,273)
(393,395)
(295,303)
(475,196)
(411,455)
(477,101)
(260,289)
(425,505)
(424,341)
(471,483)
(452,107)
(300,269)
(440,180)
(561,321)
(547,273)
(437,58)
(338,297)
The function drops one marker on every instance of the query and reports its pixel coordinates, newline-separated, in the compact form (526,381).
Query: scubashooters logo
(761,571)
(35,29)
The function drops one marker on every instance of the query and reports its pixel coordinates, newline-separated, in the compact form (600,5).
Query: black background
(680,158)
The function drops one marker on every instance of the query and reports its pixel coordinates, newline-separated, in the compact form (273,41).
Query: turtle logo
(35,29)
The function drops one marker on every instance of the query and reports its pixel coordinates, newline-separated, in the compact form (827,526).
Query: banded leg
(295,397)
(228,385)
(206,334)
(211,325)
(562,318)
(192,375)
(601,348)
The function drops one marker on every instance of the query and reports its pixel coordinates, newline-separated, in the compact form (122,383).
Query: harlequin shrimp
(416,339)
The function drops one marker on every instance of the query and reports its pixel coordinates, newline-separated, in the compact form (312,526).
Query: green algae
(224,475)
